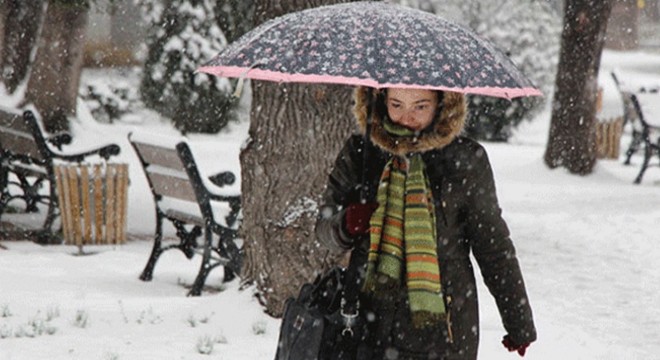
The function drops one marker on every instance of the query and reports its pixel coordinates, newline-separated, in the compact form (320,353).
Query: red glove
(357,218)
(511,346)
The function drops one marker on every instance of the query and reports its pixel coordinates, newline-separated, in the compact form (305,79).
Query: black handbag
(324,321)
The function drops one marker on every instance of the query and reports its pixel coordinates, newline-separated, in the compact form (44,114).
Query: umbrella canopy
(372,44)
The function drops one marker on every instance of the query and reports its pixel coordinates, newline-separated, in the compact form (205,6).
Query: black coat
(468,221)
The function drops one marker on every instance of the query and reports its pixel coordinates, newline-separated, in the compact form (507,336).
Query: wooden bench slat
(28,169)
(13,120)
(172,187)
(185,217)
(19,144)
(165,157)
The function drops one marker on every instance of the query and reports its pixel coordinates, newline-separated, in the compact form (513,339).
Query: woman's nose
(408,118)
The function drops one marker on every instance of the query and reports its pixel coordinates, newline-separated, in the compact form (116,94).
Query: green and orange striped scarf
(403,240)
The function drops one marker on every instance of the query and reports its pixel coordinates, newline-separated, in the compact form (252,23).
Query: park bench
(27,160)
(176,183)
(631,114)
(629,118)
(647,107)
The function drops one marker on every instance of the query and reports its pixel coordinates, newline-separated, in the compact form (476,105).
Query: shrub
(184,35)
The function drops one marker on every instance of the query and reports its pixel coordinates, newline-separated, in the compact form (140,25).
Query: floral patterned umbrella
(372,44)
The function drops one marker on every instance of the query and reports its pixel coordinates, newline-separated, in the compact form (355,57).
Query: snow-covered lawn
(588,247)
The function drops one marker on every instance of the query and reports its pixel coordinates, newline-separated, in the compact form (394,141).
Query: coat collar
(445,128)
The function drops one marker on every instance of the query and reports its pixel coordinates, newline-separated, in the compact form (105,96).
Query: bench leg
(47,235)
(636,141)
(645,164)
(147,273)
(205,267)
(228,250)
(4,192)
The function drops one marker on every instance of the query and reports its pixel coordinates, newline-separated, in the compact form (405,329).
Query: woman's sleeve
(494,251)
(343,183)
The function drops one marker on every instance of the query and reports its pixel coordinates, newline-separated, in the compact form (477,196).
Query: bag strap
(350,302)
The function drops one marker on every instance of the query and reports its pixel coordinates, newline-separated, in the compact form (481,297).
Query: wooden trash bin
(608,138)
(93,201)
(608,132)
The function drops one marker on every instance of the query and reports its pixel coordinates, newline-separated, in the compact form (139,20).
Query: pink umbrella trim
(268,75)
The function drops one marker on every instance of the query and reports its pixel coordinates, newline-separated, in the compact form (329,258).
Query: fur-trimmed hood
(445,128)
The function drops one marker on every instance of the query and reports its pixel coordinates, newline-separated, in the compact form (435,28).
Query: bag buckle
(349,319)
(298,323)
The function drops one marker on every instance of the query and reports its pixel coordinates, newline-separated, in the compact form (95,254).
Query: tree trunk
(295,133)
(572,138)
(55,77)
(622,27)
(4,18)
(22,21)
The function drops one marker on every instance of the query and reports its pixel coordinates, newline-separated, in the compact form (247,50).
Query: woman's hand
(511,346)
(356,219)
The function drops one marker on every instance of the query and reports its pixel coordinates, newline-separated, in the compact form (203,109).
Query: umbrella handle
(364,186)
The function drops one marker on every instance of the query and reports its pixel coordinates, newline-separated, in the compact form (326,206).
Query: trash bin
(608,131)
(93,202)
(608,138)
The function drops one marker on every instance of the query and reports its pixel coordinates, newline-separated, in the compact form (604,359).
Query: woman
(431,201)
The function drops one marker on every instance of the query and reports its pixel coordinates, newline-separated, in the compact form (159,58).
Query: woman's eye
(396,106)
(421,107)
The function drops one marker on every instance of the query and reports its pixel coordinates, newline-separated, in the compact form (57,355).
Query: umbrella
(372,44)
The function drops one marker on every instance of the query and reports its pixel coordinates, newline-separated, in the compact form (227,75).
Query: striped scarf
(403,239)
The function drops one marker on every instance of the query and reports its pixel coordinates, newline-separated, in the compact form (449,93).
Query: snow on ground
(587,247)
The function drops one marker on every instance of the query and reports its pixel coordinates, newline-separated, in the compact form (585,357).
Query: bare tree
(572,138)
(295,133)
(20,22)
(55,77)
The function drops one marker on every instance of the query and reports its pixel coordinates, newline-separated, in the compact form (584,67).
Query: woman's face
(412,108)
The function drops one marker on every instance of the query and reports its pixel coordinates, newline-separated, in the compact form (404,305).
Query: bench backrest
(20,137)
(173,173)
(629,111)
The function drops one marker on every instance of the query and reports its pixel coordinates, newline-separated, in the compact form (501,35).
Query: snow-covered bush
(259,327)
(529,32)
(184,34)
(52,312)
(108,102)
(149,317)
(205,345)
(81,320)
(111,356)
(5,331)
(221,339)
(235,17)
(5,311)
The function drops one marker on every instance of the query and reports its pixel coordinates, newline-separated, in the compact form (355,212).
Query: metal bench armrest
(59,139)
(105,152)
